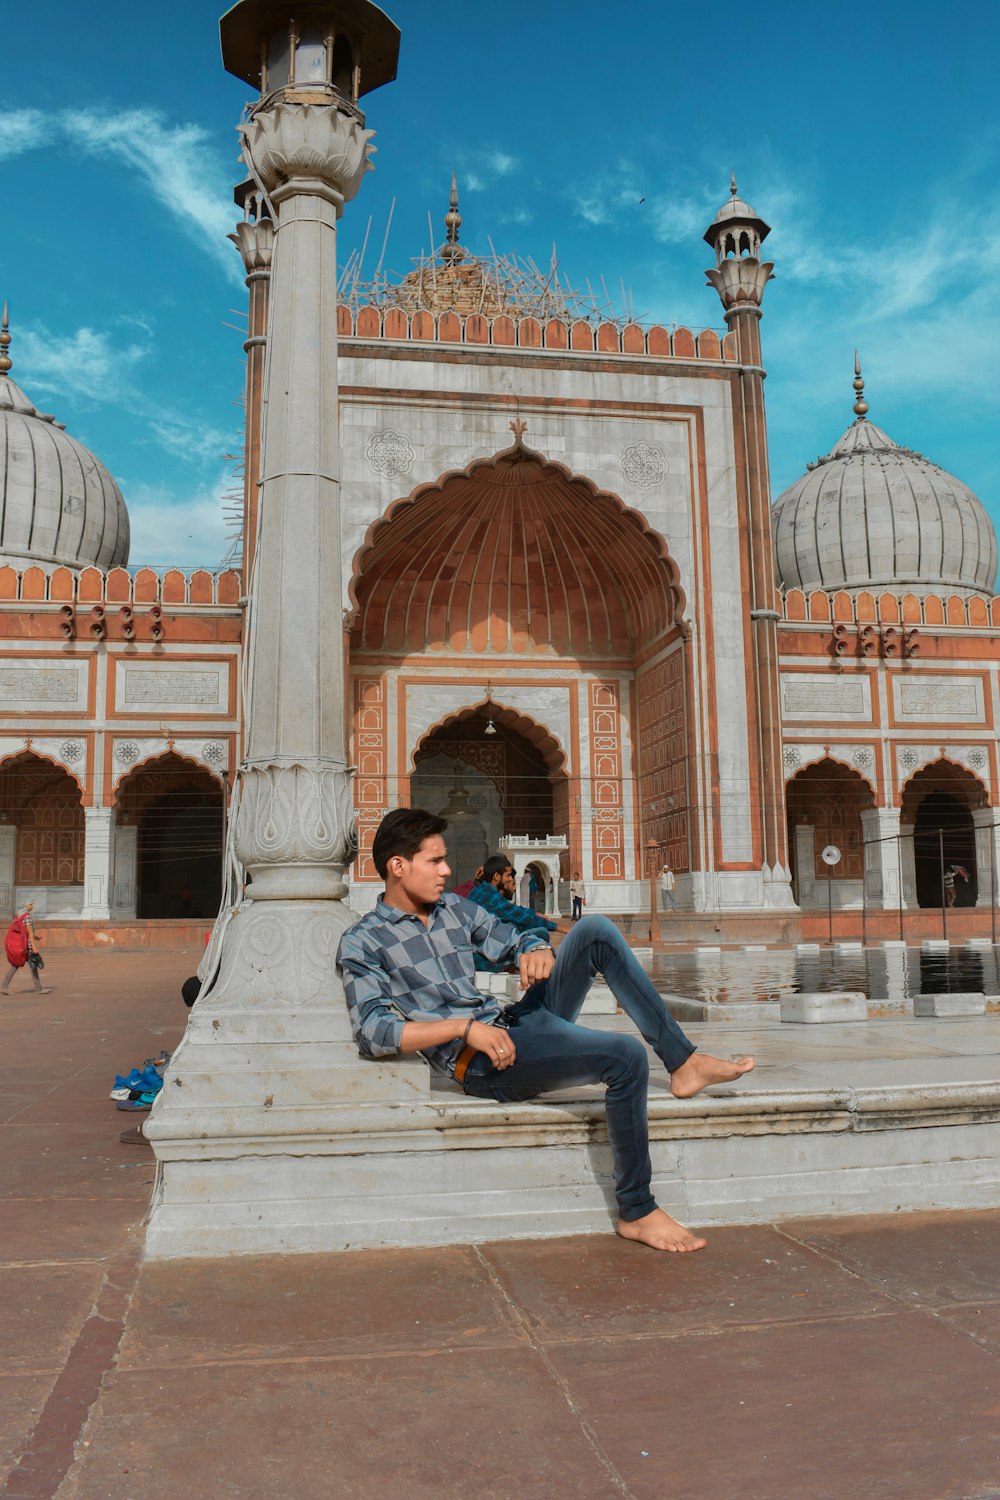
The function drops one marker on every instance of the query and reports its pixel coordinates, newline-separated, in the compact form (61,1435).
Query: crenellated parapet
(555,335)
(819,607)
(119,586)
(87,606)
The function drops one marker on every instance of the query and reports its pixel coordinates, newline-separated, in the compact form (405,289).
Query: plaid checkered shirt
(396,969)
(493,900)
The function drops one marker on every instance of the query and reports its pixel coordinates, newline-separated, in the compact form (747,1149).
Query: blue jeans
(554,1053)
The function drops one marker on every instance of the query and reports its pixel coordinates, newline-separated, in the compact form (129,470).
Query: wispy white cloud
(24,130)
(175,163)
(95,370)
(481,168)
(186,531)
(86,363)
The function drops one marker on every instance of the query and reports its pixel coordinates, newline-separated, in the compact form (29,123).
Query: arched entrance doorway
(825,802)
(938,803)
(520,585)
(171,812)
(41,836)
(492,774)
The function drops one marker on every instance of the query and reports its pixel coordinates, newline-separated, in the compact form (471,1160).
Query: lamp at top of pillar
(739,275)
(311,52)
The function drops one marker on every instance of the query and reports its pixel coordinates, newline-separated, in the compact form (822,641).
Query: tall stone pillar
(124,870)
(908,861)
(805,865)
(987,855)
(265,1087)
(880,831)
(740,277)
(8,844)
(98,855)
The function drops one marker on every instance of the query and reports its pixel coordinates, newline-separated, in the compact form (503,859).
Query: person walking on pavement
(578,895)
(22,949)
(667,884)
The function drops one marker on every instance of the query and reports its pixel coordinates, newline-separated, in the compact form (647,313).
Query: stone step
(809,1009)
(958,1003)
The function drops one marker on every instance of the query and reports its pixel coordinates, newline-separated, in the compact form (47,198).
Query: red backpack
(16,944)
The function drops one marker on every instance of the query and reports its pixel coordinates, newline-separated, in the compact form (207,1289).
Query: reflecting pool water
(892,975)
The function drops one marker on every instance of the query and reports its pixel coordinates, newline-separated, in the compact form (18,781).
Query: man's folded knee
(628,1057)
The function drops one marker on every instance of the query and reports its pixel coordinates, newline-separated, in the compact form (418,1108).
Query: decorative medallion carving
(71,751)
(908,759)
(976,758)
(862,758)
(127,752)
(642,464)
(389,453)
(793,758)
(214,753)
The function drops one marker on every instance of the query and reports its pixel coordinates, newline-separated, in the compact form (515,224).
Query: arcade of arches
(167,827)
(555,613)
(943,825)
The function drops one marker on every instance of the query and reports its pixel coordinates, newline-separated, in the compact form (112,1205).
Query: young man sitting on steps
(410,979)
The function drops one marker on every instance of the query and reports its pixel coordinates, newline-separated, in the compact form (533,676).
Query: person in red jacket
(21,949)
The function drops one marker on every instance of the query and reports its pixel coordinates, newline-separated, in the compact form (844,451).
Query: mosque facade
(575,623)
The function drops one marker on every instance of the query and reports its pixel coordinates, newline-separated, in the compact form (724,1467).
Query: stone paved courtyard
(828,1358)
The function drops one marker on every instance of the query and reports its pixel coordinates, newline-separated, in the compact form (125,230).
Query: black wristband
(468,1028)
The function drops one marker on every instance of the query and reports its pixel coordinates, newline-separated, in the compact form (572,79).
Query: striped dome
(58,503)
(871,514)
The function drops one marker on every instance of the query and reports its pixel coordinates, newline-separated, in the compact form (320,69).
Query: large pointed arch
(514,553)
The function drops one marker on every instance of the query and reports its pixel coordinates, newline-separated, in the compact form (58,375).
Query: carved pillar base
(294,829)
(267,1089)
(777,888)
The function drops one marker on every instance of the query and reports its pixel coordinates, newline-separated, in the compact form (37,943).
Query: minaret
(740,276)
(267,1057)
(254,238)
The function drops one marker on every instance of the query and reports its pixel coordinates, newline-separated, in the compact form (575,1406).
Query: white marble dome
(873,515)
(58,503)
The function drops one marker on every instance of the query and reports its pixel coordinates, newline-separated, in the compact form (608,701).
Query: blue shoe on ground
(150,1081)
(144,1101)
(131,1080)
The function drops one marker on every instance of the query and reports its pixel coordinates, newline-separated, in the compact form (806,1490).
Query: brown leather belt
(462,1066)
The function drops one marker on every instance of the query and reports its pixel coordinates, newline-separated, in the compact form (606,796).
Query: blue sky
(867,138)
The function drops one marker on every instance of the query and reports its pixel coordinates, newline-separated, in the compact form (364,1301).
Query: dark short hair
(495,865)
(402,832)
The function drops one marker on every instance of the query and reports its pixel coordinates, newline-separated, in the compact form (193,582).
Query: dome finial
(5,359)
(732,184)
(452,250)
(860,405)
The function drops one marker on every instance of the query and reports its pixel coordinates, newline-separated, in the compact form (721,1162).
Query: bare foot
(660,1232)
(701,1070)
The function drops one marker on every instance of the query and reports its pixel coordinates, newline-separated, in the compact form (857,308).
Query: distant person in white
(667,883)
(578,892)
